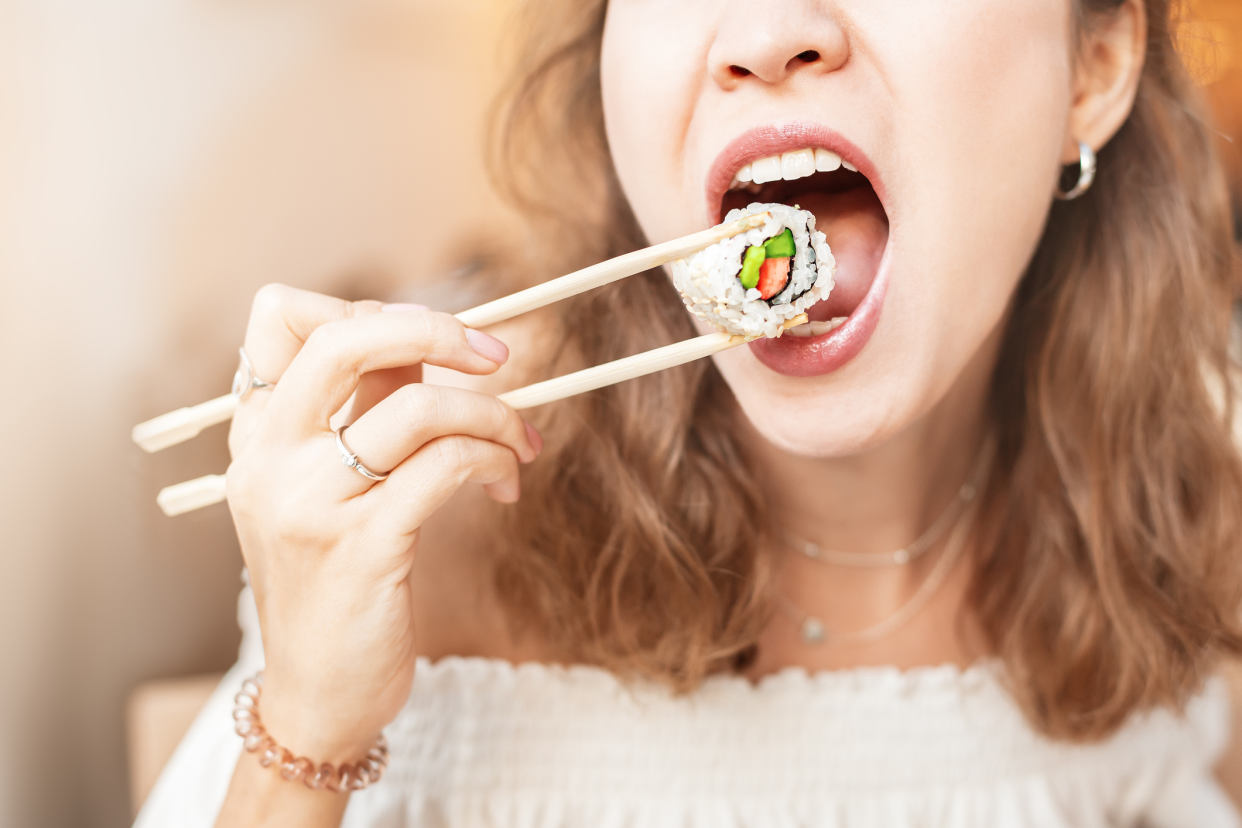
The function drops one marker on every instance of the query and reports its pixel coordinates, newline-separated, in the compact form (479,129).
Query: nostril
(809,56)
(739,71)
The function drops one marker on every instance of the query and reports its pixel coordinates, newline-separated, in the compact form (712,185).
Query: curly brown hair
(1107,577)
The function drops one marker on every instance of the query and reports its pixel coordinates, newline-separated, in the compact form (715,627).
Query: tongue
(857,231)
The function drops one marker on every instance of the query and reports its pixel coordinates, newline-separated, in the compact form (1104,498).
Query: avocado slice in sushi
(751,262)
(779,247)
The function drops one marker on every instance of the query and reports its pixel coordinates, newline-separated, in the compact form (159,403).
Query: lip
(774,139)
(802,356)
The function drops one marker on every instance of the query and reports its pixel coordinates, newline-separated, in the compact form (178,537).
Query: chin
(847,417)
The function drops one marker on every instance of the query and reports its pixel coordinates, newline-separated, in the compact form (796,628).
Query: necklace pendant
(813,631)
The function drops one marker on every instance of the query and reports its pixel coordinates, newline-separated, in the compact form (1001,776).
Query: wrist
(324,730)
(327,770)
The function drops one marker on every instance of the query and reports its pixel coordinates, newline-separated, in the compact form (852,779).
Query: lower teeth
(817,328)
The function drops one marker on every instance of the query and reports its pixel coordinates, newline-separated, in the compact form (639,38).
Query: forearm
(1229,770)
(259,797)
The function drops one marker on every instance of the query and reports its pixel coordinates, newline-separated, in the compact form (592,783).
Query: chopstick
(604,273)
(205,491)
(198,493)
(611,373)
(186,423)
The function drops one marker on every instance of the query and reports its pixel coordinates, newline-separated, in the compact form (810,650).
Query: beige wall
(159,161)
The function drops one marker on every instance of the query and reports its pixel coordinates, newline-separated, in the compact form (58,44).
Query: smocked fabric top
(485,743)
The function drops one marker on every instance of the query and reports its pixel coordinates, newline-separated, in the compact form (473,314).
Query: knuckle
(439,328)
(427,325)
(417,404)
(455,452)
(270,300)
(508,463)
(508,420)
(325,339)
(506,425)
(452,408)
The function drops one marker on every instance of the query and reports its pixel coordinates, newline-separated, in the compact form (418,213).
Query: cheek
(986,101)
(984,97)
(651,68)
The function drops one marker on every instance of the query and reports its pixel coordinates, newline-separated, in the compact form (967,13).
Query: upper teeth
(790,166)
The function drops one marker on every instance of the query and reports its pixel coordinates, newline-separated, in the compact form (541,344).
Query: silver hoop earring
(1086,174)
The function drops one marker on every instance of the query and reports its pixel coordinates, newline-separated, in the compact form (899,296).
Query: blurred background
(160,160)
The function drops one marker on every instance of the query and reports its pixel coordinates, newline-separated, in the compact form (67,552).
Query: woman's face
(954,113)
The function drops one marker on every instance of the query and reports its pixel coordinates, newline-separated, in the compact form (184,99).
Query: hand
(329,551)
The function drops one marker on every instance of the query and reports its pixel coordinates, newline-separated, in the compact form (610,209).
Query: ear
(1112,51)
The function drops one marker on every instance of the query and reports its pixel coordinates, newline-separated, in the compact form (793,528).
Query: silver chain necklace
(811,629)
(911,552)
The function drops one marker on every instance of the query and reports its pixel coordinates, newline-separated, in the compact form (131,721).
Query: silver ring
(350,460)
(1086,174)
(245,381)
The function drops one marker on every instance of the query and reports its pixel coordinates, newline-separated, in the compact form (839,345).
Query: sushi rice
(709,280)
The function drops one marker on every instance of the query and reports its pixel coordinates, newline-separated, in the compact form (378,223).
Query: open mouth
(847,210)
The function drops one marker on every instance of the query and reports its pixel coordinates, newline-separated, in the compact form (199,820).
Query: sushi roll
(752,284)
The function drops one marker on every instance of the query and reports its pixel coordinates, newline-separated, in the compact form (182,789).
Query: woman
(1016,447)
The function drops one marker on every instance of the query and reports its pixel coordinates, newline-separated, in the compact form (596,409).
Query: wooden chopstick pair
(186,423)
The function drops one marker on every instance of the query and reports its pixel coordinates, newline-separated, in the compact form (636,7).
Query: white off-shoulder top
(485,743)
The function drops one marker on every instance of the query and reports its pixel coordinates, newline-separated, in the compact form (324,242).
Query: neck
(884,497)
(877,501)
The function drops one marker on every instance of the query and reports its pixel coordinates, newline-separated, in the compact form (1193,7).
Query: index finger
(282,318)
(329,367)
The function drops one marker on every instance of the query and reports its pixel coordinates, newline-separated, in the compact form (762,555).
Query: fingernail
(536,439)
(400,307)
(488,347)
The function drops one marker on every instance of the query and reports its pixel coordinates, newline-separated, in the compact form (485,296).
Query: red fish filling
(773,276)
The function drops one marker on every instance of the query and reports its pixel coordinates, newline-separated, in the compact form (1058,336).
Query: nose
(770,41)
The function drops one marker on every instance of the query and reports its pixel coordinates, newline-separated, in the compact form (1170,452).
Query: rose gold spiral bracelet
(255,739)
